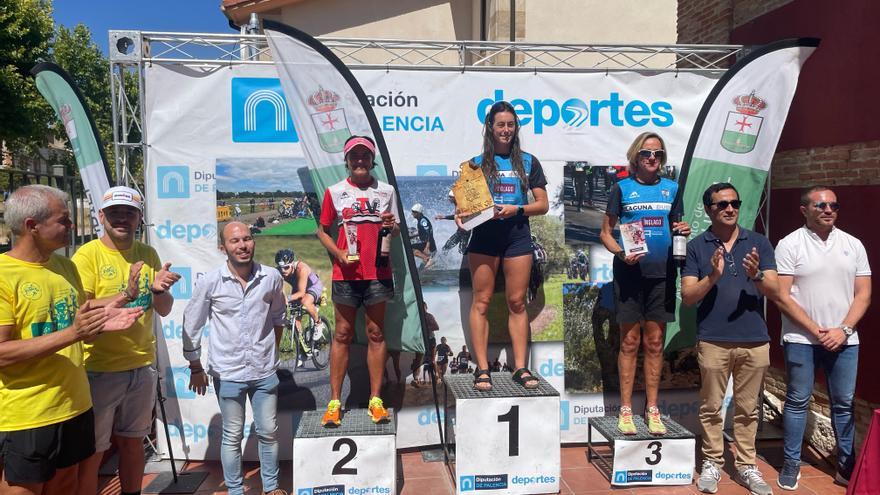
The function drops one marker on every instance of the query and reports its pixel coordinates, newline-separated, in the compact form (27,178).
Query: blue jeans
(264,403)
(801,361)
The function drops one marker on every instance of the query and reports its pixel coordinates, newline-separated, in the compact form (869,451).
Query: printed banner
(734,141)
(224,145)
(64,97)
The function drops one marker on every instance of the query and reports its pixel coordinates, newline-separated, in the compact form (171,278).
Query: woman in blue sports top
(644,284)
(511,174)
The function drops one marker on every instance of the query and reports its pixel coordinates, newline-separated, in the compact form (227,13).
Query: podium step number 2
(357,458)
(506,443)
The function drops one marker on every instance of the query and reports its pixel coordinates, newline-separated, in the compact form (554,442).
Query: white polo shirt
(824,279)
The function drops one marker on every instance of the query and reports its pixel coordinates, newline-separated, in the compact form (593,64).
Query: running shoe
(709,476)
(625,421)
(377,410)
(333,415)
(749,477)
(655,424)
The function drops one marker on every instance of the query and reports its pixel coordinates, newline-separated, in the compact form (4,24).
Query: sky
(184,16)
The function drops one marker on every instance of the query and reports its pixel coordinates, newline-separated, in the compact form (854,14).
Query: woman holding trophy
(504,241)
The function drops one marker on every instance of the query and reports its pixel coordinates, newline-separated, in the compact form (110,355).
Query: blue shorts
(502,238)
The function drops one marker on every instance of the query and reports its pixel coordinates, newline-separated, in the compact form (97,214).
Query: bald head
(228,228)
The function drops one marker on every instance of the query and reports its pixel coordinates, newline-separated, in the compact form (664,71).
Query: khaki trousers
(747,362)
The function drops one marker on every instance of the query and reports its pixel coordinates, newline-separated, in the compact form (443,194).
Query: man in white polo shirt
(824,290)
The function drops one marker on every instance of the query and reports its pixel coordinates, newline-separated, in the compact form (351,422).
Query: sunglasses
(825,204)
(722,205)
(658,154)
(728,258)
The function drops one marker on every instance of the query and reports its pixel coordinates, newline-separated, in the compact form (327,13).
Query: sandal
(529,381)
(482,376)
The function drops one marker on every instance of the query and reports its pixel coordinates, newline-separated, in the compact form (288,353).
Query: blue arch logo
(259,112)
(172,181)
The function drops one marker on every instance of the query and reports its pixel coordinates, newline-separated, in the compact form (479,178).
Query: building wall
(830,138)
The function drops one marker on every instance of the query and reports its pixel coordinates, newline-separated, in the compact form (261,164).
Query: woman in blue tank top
(511,173)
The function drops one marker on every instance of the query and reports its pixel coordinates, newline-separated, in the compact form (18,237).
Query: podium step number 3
(357,458)
(506,441)
(645,459)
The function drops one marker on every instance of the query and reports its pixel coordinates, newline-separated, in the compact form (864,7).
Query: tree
(25,35)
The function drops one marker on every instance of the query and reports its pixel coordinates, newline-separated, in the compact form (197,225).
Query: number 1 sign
(507,445)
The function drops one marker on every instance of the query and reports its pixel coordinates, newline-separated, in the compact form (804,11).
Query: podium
(357,457)
(643,458)
(506,440)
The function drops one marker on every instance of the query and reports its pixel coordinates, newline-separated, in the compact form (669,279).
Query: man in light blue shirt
(245,305)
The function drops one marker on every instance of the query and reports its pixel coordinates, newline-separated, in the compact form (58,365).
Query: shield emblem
(332,129)
(741,132)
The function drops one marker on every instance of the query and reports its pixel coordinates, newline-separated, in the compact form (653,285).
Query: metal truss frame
(132,51)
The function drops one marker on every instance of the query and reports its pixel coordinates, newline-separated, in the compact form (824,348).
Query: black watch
(520,211)
(759,276)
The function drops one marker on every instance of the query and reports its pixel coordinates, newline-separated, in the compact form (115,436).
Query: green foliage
(550,232)
(583,369)
(25,38)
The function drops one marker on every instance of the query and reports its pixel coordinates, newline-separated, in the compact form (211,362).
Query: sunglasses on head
(658,154)
(722,205)
(834,205)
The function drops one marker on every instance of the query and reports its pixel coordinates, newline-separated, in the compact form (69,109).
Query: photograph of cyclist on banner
(360,211)
(505,242)
(310,339)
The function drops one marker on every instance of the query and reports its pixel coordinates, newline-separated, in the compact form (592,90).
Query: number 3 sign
(653,462)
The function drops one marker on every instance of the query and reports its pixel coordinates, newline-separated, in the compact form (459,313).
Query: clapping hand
(165,278)
(751,263)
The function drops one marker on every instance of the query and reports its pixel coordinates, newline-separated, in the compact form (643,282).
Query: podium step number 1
(506,441)
(357,458)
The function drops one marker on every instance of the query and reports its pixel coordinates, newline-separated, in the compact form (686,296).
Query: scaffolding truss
(132,51)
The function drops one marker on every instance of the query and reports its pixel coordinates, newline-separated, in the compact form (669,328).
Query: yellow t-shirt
(104,272)
(38,299)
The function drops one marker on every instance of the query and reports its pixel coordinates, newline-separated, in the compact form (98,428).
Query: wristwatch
(847,330)
(520,211)
(759,276)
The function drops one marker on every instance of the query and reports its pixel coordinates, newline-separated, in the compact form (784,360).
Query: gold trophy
(473,201)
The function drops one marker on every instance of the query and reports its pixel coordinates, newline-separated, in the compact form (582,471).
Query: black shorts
(33,455)
(502,238)
(362,292)
(644,299)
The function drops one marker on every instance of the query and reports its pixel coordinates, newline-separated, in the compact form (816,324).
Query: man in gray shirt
(245,305)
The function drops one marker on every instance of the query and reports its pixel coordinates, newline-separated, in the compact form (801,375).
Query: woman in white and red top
(369,204)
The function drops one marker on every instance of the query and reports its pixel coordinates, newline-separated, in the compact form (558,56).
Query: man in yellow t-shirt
(121,366)
(46,420)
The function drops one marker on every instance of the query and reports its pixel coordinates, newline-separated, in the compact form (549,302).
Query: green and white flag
(328,105)
(734,140)
(62,94)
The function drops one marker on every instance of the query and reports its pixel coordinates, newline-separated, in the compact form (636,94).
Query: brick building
(831,137)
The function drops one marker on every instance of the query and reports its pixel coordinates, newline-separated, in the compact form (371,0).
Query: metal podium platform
(355,422)
(607,427)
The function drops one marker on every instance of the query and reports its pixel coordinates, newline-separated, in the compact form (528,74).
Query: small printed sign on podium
(506,440)
(643,459)
(357,457)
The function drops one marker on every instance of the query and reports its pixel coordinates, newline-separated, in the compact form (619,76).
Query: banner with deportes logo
(734,141)
(64,97)
(223,144)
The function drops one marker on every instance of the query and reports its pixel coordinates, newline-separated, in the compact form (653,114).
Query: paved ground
(578,477)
